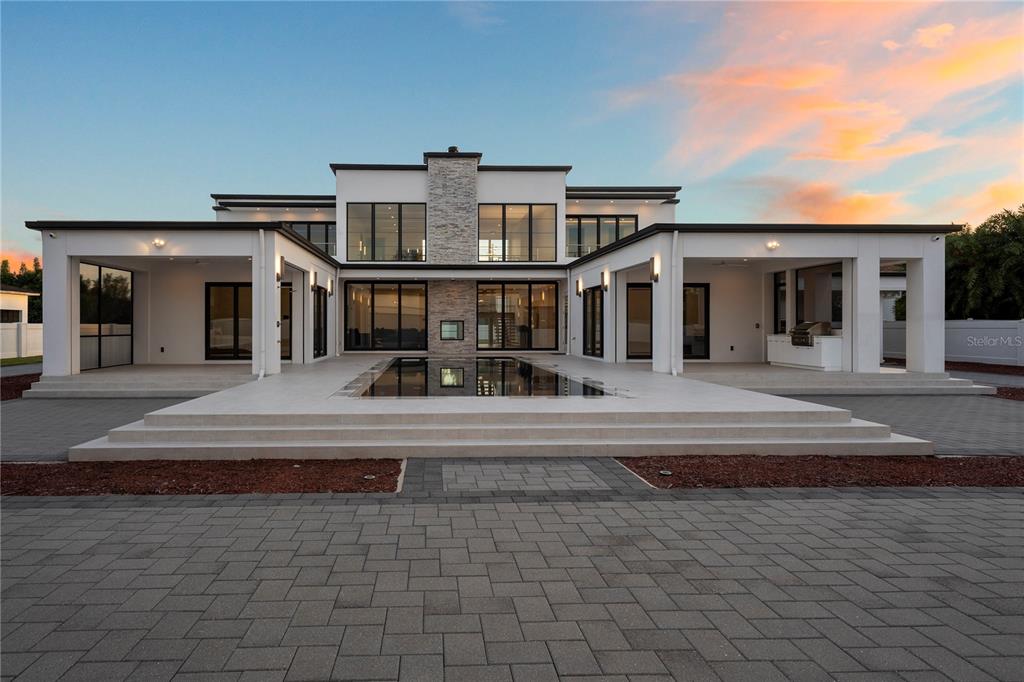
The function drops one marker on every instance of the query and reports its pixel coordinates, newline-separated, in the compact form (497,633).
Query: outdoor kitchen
(815,341)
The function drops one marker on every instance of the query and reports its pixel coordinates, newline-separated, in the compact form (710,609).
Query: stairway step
(139,432)
(102,449)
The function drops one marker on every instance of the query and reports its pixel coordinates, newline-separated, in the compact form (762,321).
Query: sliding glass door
(286,321)
(319,322)
(593,322)
(385,316)
(638,321)
(105,317)
(516,316)
(228,321)
(696,329)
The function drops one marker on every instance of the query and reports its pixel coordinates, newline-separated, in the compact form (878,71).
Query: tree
(985,269)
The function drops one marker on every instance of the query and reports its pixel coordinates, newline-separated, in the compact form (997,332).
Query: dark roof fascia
(671,201)
(765,228)
(451,155)
(385,265)
(625,188)
(221,208)
(234,225)
(619,195)
(276,197)
(278,204)
(379,166)
(526,169)
(11,289)
(890,273)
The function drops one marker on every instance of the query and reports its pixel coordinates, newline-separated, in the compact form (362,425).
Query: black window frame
(504,232)
(529,314)
(706,286)
(590,339)
(99,336)
(373,305)
(331,243)
(236,354)
(321,314)
(779,282)
(291,315)
(598,216)
(462,330)
(650,316)
(373,230)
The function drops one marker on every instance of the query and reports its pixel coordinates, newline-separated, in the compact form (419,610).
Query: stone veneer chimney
(451,206)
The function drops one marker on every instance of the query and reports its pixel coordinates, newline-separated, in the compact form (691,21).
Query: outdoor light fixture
(772,244)
(280,268)
(330,287)
(312,282)
(579,286)
(655,269)
(159,243)
(604,280)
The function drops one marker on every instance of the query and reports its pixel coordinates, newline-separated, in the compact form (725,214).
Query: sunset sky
(830,112)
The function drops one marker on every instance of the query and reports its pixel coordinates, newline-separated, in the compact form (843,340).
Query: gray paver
(614,583)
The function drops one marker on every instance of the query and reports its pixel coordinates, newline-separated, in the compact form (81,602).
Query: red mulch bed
(969,367)
(820,471)
(13,387)
(200,477)
(1010,392)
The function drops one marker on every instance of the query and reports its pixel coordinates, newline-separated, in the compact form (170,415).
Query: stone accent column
(452,210)
(451,300)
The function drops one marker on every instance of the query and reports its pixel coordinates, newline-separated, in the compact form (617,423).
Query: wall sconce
(605,276)
(312,282)
(280,268)
(579,286)
(159,243)
(655,269)
(330,287)
(772,244)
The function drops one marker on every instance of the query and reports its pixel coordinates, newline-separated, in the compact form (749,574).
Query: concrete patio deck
(144,381)
(310,411)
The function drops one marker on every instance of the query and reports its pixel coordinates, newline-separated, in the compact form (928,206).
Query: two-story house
(453,256)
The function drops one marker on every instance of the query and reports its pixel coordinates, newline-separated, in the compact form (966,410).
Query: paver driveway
(613,581)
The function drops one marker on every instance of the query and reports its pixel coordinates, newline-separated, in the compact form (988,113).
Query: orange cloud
(16,257)
(821,202)
(776,77)
(933,36)
(992,198)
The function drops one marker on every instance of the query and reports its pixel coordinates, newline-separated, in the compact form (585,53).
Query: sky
(763,112)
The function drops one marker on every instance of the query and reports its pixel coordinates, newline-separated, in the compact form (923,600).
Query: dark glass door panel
(286,321)
(696,327)
(638,321)
(593,322)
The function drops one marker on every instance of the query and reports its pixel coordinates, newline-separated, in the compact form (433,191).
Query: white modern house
(454,256)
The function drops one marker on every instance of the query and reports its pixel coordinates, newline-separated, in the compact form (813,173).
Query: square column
(867,309)
(667,308)
(60,309)
(790,299)
(926,309)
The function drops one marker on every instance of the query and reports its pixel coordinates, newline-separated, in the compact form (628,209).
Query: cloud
(822,202)
(932,37)
(992,198)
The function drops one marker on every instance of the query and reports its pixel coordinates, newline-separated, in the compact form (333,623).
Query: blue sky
(761,112)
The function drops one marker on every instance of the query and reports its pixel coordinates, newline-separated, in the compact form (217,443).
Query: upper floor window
(517,232)
(388,232)
(323,235)
(587,233)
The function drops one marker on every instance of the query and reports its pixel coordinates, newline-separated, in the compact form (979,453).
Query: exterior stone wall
(451,210)
(451,300)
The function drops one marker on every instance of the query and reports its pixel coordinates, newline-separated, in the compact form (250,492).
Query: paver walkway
(43,430)
(960,425)
(619,582)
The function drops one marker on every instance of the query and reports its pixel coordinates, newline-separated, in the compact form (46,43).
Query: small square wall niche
(452,330)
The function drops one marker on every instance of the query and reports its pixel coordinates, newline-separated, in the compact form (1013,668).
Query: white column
(608,315)
(926,310)
(848,314)
(867,309)
(60,309)
(790,299)
(272,290)
(663,296)
(258,319)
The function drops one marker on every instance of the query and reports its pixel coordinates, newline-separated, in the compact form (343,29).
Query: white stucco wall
(736,321)
(648,212)
(357,186)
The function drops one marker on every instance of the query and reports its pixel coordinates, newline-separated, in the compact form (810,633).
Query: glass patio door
(696,330)
(104,316)
(319,322)
(286,321)
(638,321)
(593,322)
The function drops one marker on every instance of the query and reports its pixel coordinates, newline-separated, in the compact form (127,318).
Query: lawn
(30,360)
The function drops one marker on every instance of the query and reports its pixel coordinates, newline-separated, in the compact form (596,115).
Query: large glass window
(228,320)
(587,233)
(696,326)
(593,322)
(319,322)
(819,294)
(517,316)
(323,235)
(638,321)
(105,317)
(387,232)
(516,232)
(385,316)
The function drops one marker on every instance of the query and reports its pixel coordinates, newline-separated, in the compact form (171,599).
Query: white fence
(20,339)
(996,342)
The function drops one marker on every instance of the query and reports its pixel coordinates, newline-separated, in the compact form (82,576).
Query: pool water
(472,377)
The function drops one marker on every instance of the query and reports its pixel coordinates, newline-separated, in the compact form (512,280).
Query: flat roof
(234,225)
(767,228)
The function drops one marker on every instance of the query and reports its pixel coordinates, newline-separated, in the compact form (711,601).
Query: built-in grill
(803,334)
